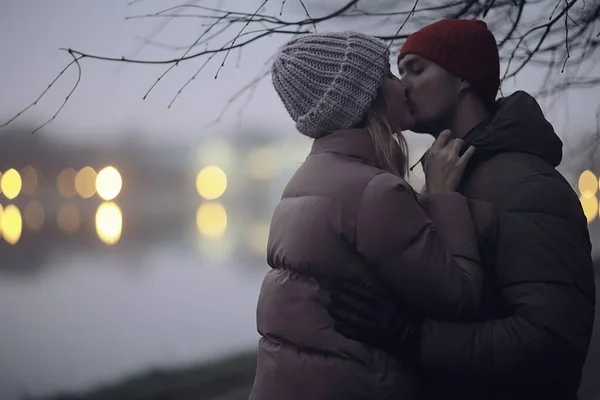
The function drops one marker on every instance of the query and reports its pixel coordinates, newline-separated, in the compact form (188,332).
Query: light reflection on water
(88,318)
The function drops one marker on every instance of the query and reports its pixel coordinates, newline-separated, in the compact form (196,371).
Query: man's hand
(378,321)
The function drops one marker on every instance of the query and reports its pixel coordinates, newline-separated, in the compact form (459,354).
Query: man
(532,337)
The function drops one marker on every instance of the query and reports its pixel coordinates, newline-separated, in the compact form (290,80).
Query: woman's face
(398,110)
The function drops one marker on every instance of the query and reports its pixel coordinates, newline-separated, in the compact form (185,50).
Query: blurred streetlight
(211,182)
(68,218)
(11,183)
(30,180)
(12,224)
(109,183)
(65,183)
(85,182)
(588,185)
(261,163)
(34,216)
(211,220)
(109,223)
(258,237)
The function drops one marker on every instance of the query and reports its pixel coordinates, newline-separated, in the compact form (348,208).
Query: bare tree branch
(563,41)
(75,61)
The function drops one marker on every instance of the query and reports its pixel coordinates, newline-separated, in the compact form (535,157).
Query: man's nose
(406,88)
(405,82)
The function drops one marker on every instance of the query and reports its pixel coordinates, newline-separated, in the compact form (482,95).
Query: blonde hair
(390,144)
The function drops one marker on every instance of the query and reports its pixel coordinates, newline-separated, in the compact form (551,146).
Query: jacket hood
(518,125)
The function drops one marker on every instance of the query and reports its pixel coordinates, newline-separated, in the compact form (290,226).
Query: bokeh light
(30,180)
(85,182)
(588,184)
(65,183)
(590,207)
(34,216)
(68,218)
(109,183)
(11,183)
(211,182)
(109,223)
(258,236)
(261,163)
(211,220)
(12,224)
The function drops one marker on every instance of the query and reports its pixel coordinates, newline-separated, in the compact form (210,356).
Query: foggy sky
(109,98)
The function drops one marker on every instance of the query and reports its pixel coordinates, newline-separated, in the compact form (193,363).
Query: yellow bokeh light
(588,184)
(30,180)
(258,237)
(1,212)
(590,207)
(11,183)
(34,216)
(109,223)
(85,182)
(261,163)
(12,224)
(68,218)
(211,182)
(108,183)
(65,183)
(211,220)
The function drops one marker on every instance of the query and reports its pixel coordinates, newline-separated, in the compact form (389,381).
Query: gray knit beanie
(327,81)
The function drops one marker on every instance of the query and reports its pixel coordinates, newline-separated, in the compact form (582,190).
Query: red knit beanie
(464,47)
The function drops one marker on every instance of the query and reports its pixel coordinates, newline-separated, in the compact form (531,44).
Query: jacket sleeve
(545,276)
(430,261)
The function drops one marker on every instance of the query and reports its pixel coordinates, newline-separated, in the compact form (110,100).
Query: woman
(349,215)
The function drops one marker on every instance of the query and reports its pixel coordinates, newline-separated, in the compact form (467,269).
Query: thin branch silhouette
(75,61)
(565,41)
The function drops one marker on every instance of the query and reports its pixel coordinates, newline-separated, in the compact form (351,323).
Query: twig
(524,42)
(546,27)
(184,55)
(404,23)
(64,103)
(238,35)
(34,103)
(240,92)
(566,39)
(281,9)
(307,14)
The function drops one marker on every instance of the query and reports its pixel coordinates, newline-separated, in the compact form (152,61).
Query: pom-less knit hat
(327,81)
(463,47)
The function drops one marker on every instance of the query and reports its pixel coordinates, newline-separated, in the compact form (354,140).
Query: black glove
(379,321)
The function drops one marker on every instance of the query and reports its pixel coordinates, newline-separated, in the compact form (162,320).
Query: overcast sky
(109,98)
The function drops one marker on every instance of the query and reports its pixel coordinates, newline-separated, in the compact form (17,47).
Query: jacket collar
(351,143)
(518,125)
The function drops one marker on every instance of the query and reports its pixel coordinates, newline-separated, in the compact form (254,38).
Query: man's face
(432,93)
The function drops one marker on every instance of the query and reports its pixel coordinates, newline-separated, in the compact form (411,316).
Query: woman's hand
(445,166)
(361,314)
